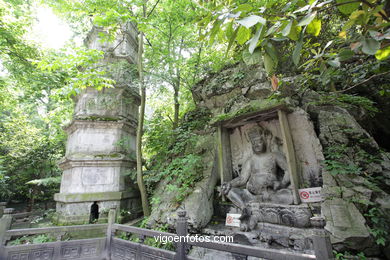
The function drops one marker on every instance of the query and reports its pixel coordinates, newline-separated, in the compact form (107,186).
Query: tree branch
(151,11)
(364,81)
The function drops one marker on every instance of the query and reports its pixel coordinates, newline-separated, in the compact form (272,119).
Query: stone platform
(267,236)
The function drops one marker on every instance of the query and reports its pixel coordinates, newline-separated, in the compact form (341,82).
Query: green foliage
(275,20)
(347,255)
(46,181)
(172,153)
(336,168)
(150,241)
(35,239)
(379,225)
(347,101)
(27,153)
(79,67)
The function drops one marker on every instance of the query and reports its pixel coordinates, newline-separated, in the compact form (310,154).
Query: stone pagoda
(100,151)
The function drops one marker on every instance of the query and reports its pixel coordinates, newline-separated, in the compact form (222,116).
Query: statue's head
(257,137)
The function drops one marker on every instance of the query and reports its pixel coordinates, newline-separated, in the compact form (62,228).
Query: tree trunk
(140,179)
(177,107)
(176,89)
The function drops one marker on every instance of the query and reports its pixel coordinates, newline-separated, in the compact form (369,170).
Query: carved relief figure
(263,178)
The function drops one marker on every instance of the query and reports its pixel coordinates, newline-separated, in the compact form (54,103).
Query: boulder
(199,204)
(346,224)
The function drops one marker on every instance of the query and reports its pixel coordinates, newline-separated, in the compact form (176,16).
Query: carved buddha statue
(263,178)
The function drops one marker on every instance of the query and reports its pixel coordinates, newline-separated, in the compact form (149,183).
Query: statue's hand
(225,188)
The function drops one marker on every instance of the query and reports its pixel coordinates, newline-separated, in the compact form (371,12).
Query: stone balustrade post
(181,231)
(110,232)
(322,245)
(5,224)
(2,207)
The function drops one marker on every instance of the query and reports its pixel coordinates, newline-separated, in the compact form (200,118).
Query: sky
(49,30)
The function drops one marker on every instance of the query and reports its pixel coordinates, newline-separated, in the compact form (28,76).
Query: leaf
(345,54)
(383,54)
(244,8)
(251,59)
(273,28)
(229,30)
(231,40)
(269,63)
(314,27)
(297,52)
(305,8)
(343,34)
(286,30)
(328,44)
(274,82)
(334,63)
(216,28)
(359,17)
(370,46)
(254,40)
(233,15)
(307,19)
(378,35)
(243,35)
(355,46)
(271,51)
(294,32)
(347,8)
(251,20)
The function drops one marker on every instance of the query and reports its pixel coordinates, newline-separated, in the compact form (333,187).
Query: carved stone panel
(91,179)
(123,251)
(287,215)
(34,254)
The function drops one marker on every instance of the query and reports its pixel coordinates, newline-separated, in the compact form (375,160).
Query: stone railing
(111,247)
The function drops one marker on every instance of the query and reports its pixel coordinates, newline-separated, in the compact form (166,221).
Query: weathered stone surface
(125,45)
(307,147)
(94,196)
(385,163)
(2,207)
(199,204)
(263,89)
(287,215)
(94,176)
(110,104)
(5,224)
(97,139)
(383,199)
(219,91)
(387,252)
(337,127)
(346,224)
(79,212)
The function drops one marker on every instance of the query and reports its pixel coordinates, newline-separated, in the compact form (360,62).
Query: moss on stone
(109,155)
(100,118)
(252,106)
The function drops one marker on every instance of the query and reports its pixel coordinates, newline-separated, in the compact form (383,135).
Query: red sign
(310,194)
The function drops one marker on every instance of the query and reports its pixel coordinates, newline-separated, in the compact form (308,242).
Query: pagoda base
(75,208)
